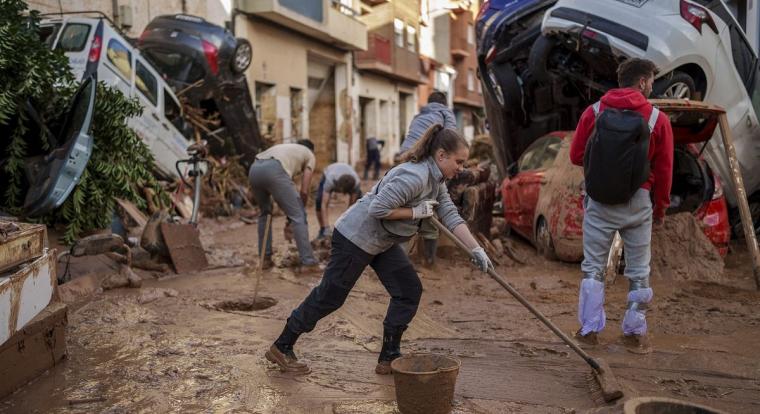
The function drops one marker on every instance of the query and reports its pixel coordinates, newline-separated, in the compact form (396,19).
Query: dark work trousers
(347,262)
(373,159)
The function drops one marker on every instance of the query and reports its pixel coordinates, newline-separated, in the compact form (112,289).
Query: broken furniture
(32,329)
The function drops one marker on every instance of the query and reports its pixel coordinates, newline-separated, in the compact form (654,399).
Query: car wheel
(243,55)
(509,90)
(544,240)
(675,85)
(538,59)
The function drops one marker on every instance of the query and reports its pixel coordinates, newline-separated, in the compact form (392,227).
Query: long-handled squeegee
(609,385)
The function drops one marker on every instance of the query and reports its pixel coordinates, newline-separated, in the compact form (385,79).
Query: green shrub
(120,163)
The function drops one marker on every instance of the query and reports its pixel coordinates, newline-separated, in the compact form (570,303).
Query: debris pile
(681,251)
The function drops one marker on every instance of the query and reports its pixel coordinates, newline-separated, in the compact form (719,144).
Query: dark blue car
(507,31)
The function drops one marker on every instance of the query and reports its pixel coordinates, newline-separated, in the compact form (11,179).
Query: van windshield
(74,37)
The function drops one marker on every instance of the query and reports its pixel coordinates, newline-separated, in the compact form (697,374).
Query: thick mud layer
(167,348)
(680,250)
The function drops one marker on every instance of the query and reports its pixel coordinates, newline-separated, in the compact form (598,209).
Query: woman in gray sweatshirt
(369,233)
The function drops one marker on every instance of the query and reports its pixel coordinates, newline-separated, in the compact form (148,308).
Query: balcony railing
(345,9)
(378,50)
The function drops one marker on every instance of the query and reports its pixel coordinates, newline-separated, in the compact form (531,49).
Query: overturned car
(206,65)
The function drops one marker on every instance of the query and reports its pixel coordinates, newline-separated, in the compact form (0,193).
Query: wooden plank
(133,212)
(741,197)
(34,349)
(21,245)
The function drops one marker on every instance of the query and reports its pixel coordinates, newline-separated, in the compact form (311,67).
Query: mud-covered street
(173,345)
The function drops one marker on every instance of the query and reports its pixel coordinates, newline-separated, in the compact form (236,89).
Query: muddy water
(183,354)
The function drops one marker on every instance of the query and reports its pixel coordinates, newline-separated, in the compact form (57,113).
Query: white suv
(700,49)
(95,47)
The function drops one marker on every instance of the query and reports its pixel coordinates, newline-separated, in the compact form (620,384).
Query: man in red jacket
(632,219)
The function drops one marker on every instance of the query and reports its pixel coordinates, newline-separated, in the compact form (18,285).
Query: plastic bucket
(658,405)
(425,383)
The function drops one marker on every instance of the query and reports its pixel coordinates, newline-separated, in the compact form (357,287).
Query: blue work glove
(481,260)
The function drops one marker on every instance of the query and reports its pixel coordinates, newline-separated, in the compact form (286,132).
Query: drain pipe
(116,16)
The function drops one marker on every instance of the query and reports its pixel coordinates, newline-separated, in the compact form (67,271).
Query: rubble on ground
(681,251)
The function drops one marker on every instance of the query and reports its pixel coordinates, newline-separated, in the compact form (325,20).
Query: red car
(543,197)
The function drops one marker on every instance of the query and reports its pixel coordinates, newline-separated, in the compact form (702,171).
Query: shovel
(609,385)
(183,240)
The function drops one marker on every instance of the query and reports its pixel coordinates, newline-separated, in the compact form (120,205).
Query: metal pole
(741,196)
(196,191)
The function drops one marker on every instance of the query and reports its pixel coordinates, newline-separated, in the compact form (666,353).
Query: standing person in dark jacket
(373,157)
(434,113)
(632,219)
(369,233)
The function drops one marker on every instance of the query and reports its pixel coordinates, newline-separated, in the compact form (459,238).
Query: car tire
(241,58)
(511,90)
(544,240)
(538,60)
(675,85)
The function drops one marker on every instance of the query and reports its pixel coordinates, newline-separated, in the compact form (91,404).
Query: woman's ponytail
(436,137)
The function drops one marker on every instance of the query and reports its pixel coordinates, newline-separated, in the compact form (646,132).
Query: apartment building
(302,70)
(388,72)
(448,39)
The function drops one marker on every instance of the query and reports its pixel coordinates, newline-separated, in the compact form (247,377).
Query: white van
(94,46)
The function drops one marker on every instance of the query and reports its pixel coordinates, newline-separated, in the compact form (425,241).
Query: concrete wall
(383,113)
(286,59)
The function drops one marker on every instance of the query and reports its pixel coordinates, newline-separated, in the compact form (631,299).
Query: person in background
(271,176)
(434,113)
(373,157)
(339,178)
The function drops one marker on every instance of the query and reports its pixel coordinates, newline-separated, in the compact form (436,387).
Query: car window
(744,57)
(529,159)
(754,94)
(120,57)
(172,110)
(146,83)
(742,53)
(74,37)
(48,32)
(550,152)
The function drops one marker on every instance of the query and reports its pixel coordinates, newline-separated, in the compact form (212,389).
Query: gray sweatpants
(268,178)
(633,220)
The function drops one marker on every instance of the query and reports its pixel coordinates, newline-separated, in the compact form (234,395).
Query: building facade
(301,73)
(388,73)
(450,62)
(131,16)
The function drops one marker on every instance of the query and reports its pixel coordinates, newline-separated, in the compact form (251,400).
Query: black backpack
(616,161)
